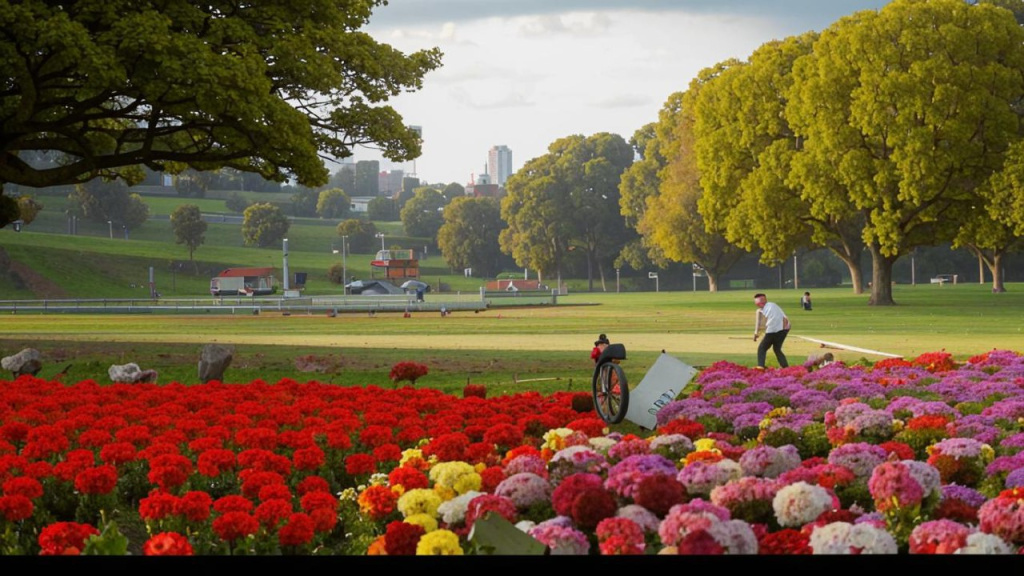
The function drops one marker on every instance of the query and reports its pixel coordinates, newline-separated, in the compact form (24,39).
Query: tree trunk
(881,278)
(712,280)
(997,273)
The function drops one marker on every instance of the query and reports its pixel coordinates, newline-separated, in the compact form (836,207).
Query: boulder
(28,361)
(214,359)
(130,374)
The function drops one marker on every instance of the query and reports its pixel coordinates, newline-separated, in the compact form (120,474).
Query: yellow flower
(555,438)
(704,445)
(419,501)
(439,543)
(428,522)
(458,476)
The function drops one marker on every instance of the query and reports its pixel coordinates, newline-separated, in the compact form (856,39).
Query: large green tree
(264,87)
(469,236)
(263,225)
(361,235)
(423,214)
(568,200)
(189,227)
(905,112)
(109,201)
(745,149)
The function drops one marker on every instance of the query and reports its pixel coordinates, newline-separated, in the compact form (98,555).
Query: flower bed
(913,457)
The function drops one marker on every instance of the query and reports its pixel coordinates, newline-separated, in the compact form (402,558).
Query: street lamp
(381,236)
(616,280)
(110,225)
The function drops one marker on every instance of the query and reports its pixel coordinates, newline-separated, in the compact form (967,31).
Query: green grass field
(514,349)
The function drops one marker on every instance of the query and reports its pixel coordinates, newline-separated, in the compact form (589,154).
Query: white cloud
(527,73)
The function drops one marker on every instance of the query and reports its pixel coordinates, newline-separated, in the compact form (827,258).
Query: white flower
(984,543)
(846,538)
(453,512)
(800,503)
(736,536)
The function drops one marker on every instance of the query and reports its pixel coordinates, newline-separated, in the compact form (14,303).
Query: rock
(28,361)
(130,374)
(214,359)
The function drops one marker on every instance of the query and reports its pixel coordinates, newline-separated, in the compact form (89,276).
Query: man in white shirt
(774,323)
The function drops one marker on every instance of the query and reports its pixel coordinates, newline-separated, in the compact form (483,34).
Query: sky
(525,73)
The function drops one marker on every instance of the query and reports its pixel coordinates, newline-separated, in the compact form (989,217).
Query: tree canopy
(469,236)
(263,225)
(263,87)
(189,227)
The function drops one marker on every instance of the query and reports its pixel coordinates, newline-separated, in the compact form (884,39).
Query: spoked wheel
(611,392)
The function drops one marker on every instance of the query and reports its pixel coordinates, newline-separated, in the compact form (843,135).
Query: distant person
(600,344)
(805,301)
(773,322)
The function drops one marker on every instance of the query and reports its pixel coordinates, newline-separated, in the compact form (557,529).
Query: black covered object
(612,352)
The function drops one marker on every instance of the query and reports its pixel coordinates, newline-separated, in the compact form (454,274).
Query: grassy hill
(45,260)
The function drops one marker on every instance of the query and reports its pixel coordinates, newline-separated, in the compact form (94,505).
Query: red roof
(242,272)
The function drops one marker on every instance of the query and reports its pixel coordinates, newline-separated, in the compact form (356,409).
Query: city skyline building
(499,164)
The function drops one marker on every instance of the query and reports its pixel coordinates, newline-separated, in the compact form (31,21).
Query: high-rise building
(499,164)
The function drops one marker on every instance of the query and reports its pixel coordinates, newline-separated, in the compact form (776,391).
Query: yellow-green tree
(745,151)
(671,222)
(263,224)
(904,112)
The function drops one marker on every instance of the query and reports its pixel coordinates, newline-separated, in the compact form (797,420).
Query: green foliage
(9,211)
(264,225)
(333,204)
(263,88)
(423,214)
(361,234)
(381,209)
(28,208)
(469,236)
(189,227)
(236,203)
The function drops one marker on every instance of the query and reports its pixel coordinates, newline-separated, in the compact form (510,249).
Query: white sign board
(662,383)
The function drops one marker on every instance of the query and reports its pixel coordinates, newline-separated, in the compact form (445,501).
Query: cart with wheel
(611,390)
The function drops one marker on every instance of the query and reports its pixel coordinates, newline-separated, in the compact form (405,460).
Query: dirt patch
(40,286)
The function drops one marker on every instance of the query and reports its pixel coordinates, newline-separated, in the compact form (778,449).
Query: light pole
(381,236)
(616,280)
(344,266)
(110,225)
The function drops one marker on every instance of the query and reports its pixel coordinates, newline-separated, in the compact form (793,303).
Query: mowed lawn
(696,327)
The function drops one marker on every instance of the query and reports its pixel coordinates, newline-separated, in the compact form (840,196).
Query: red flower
(474,390)
(273,512)
(23,486)
(407,371)
(118,453)
(377,502)
(408,478)
(254,480)
(274,491)
(15,507)
(158,505)
(447,447)
(64,538)
(324,520)
(659,492)
(400,538)
(307,459)
(591,506)
(215,461)
(98,480)
(234,525)
(504,435)
(15,432)
(490,478)
(359,464)
(699,542)
(232,503)
(297,530)
(592,427)
(688,428)
(388,453)
(318,501)
(167,544)
(169,471)
(312,484)
(376,435)
(194,505)
(786,541)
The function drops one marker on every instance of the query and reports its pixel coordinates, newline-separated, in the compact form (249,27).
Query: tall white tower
(499,164)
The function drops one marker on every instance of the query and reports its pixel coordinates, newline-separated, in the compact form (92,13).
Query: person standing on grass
(600,344)
(805,301)
(774,323)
